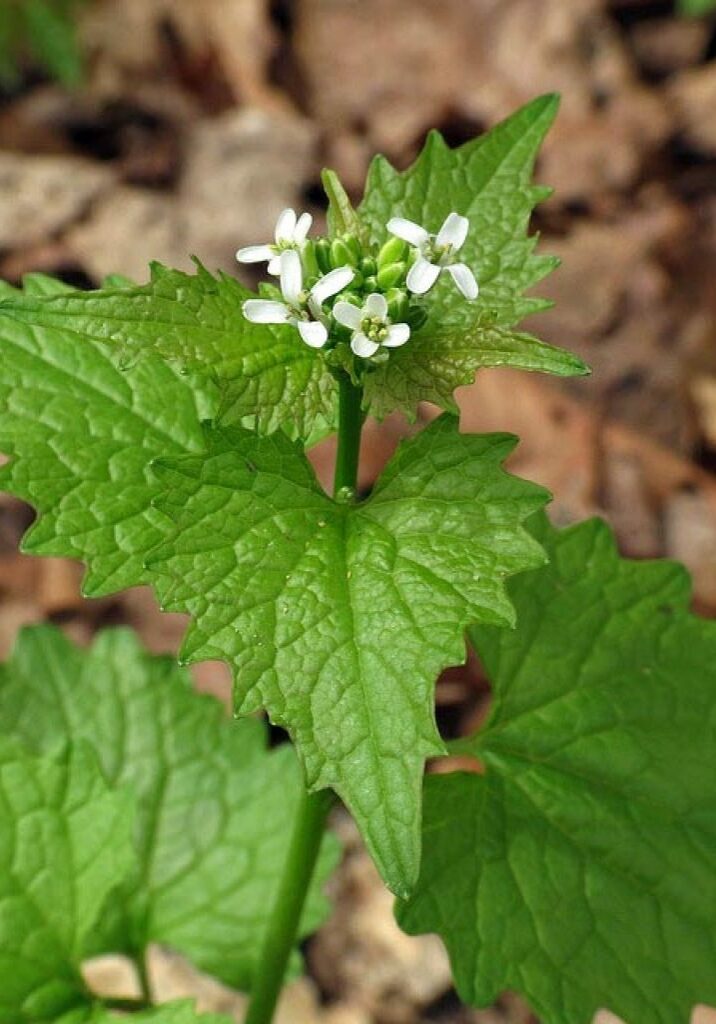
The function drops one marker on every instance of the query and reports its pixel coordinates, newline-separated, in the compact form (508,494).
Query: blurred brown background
(199,120)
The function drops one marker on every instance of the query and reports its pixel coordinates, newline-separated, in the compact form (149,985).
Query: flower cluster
(333,291)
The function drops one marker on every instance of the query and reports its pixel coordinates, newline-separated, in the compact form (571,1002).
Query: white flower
(290,233)
(300,308)
(371,325)
(436,253)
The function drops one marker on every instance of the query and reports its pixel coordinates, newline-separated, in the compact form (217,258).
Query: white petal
(291,275)
(376,305)
(274,266)
(313,333)
(421,277)
(454,231)
(335,281)
(408,230)
(263,311)
(363,346)
(303,226)
(347,314)
(285,226)
(398,334)
(464,279)
(254,254)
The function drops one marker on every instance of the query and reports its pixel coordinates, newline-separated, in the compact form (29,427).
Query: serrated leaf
(82,433)
(487,180)
(65,843)
(581,870)
(215,809)
(438,361)
(337,619)
(196,322)
(43,284)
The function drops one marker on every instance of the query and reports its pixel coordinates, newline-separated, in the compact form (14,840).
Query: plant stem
(313,808)
(143,975)
(285,918)
(350,424)
(125,1005)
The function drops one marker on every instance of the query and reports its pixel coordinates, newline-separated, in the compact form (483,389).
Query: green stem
(126,1005)
(350,424)
(143,975)
(313,809)
(286,915)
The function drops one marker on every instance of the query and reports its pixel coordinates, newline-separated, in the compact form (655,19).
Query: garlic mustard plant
(160,432)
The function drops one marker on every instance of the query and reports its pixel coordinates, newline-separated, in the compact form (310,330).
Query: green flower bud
(322,249)
(342,255)
(371,283)
(310,262)
(394,250)
(353,297)
(390,275)
(353,244)
(398,305)
(368,265)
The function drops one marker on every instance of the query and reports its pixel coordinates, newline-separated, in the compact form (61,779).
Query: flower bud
(350,296)
(310,262)
(353,244)
(368,265)
(398,305)
(342,255)
(322,249)
(390,275)
(371,283)
(393,251)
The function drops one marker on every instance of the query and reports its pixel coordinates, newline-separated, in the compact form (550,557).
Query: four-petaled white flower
(371,325)
(290,233)
(300,308)
(436,253)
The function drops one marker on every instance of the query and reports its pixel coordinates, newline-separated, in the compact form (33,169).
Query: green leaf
(196,322)
(65,843)
(52,37)
(336,618)
(214,808)
(696,8)
(581,869)
(435,362)
(118,281)
(488,181)
(43,284)
(82,434)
